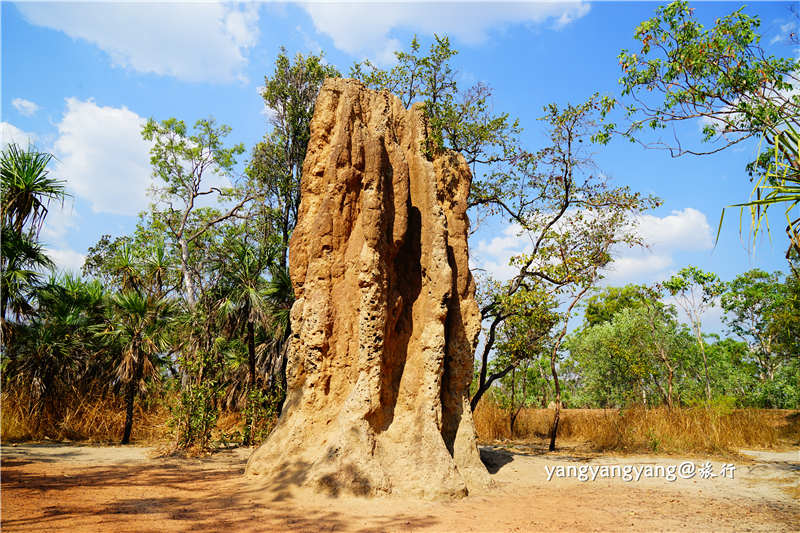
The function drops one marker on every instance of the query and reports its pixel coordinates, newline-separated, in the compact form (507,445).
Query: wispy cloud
(24,107)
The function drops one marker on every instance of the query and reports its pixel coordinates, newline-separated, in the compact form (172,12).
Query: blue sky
(79,79)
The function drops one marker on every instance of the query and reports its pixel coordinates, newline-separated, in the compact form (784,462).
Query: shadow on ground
(168,495)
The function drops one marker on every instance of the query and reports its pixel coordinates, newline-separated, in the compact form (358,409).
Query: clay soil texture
(58,487)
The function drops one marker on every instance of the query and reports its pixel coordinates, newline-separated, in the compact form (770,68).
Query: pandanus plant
(778,183)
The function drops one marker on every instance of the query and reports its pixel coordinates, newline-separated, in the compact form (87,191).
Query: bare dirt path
(80,488)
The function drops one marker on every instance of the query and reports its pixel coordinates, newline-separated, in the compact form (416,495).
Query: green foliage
(720,74)
(260,414)
(602,306)
(56,350)
(457,120)
(26,191)
(755,304)
(277,161)
(26,188)
(23,259)
(723,77)
(181,162)
(778,183)
(626,360)
(196,412)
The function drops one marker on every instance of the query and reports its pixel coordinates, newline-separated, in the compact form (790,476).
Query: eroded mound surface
(385,321)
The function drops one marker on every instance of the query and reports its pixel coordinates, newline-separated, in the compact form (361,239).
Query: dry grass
(685,430)
(100,419)
(91,417)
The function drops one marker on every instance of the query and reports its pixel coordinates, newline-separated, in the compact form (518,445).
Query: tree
(661,334)
(722,77)
(459,120)
(23,261)
(613,370)
(695,291)
(572,217)
(26,190)
(752,302)
(277,161)
(139,323)
(602,306)
(181,163)
(243,299)
(521,333)
(628,359)
(649,327)
(55,350)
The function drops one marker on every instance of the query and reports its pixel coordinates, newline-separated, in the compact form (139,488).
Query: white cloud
(11,134)
(686,230)
(103,157)
(105,160)
(25,107)
(66,259)
(61,218)
(191,41)
(493,255)
(637,265)
(364,28)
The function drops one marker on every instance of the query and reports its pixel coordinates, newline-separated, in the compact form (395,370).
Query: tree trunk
(130,397)
(511,415)
(557,400)
(670,376)
(487,384)
(705,364)
(251,353)
(483,382)
(285,235)
(251,382)
(188,284)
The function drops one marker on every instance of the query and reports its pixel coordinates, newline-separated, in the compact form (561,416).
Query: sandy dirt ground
(53,487)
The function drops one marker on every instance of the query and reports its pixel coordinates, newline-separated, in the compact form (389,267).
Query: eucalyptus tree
(752,302)
(605,303)
(457,119)
(549,194)
(573,218)
(183,165)
(695,291)
(528,316)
